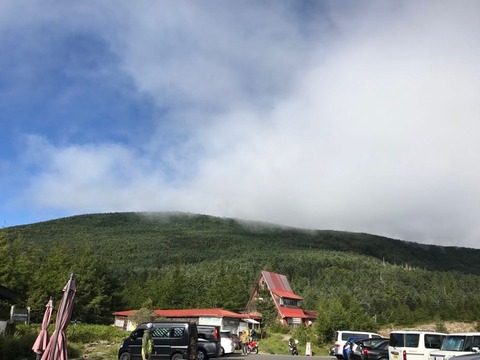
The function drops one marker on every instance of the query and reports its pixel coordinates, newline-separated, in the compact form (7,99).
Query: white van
(342,336)
(413,345)
(457,344)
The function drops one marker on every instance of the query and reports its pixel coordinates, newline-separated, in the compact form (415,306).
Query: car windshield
(372,341)
(453,343)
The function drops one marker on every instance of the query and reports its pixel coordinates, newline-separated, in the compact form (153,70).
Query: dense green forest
(175,260)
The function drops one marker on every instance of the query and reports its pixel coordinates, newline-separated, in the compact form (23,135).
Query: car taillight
(337,345)
(404,355)
(215,333)
(365,352)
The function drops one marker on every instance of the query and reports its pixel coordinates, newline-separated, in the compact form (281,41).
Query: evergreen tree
(94,287)
(266,307)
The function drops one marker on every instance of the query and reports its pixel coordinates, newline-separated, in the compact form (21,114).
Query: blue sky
(346,115)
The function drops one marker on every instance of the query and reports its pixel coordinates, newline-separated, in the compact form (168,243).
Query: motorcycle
(252,347)
(292,347)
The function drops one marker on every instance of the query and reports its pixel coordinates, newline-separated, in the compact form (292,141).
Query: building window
(289,302)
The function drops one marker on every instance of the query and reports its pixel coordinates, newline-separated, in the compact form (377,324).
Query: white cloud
(369,127)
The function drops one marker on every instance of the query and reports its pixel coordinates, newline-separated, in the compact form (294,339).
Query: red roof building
(288,303)
(227,320)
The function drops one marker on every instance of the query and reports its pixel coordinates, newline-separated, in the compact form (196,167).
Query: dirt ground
(452,327)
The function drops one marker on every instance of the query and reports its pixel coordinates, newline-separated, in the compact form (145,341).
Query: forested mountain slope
(175,260)
(142,240)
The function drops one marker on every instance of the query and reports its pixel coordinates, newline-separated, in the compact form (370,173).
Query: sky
(344,115)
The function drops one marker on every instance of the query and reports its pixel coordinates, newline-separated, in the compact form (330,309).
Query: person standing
(147,342)
(244,340)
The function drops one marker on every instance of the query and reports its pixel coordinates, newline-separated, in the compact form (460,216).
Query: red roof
(287,294)
(292,312)
(199,313)
(125,313)
(190,313)
(276,281)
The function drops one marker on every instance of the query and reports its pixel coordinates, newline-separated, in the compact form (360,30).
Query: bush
(88,333)
(277,342)
(19,345)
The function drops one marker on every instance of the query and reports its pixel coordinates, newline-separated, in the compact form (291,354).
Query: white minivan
(342,336)
(413,345)
(457,344)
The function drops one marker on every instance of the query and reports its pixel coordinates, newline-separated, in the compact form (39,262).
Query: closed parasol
(42,339)
(57,346)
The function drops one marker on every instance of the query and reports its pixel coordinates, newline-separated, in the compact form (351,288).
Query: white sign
(20,315)
(210,321)
(308,350)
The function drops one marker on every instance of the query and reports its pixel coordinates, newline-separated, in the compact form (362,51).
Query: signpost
(19,315)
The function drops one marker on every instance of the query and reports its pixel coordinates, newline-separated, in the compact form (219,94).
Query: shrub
(19,344)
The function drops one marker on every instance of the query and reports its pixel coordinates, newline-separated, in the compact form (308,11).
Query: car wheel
(222,351)
(124,356)
(177,356)
(202,355)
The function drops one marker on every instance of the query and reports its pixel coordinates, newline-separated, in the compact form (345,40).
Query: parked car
(473,356)
(417,344)
(207,349)
(208,342)
(377,352)
(363,345)
(171,340)
(226,342)
(457,344)
(341,336)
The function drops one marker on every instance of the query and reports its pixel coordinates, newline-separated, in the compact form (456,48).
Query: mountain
(178,260)
(143,240)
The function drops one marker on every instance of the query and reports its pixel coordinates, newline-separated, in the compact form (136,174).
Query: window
(433,341)
(289,302)
(411,340)
(346,336)
(453,343)
(178,332)
(397,340)
(161,332)
(476,341)
(137,334)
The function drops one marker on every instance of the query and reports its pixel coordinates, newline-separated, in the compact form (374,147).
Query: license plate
(395,356)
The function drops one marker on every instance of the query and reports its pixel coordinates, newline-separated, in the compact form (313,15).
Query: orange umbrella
(57,346)
(42,339)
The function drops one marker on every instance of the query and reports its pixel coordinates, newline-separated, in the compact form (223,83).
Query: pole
(62,311)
